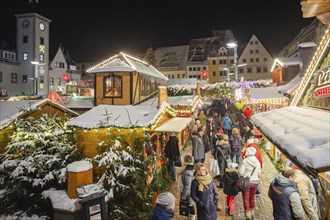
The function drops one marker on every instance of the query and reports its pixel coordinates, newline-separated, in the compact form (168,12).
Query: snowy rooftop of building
(124,116)
(285,61)
(125,63)
(303,133)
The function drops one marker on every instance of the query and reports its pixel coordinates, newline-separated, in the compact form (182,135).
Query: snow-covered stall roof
(263,93)
(181,81)
(287,88)
(303,133)
(174,125)
(125,63)
(187,100)
(285,61)
(10,110)
(124,116)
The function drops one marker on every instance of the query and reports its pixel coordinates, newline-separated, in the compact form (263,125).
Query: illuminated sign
(321,92)
(322,84)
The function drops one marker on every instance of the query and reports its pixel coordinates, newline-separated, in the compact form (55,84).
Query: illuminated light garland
(309,73)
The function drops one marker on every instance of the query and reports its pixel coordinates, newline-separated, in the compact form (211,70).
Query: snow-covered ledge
(61,201)
(79,166)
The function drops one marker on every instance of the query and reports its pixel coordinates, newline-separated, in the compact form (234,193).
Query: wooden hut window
(113,86)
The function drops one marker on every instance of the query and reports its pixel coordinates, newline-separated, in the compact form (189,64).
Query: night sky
(96,29)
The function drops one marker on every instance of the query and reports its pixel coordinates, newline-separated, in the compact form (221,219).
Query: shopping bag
(214,167)
(184,207)
(178,162)
(242,184)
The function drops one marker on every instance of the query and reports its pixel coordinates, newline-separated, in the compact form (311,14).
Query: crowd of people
(225,131)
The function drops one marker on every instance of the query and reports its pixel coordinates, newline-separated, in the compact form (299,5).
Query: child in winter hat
(167,200)
(164,207)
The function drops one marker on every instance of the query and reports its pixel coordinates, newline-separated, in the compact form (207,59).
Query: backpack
(235,144)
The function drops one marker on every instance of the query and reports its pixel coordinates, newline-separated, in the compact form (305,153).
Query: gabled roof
(175,56)
(124,63)
(124,116)
(285,61)
(10,110)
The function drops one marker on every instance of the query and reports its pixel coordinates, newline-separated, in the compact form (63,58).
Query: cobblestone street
(263,210)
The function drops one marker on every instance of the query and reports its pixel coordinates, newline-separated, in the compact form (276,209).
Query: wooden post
(79,173)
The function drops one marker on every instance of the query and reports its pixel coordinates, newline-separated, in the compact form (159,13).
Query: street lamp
(234,45)
(36,75)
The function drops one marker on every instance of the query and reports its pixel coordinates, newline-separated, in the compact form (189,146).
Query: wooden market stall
(13,109)
(262,99)
(124,80)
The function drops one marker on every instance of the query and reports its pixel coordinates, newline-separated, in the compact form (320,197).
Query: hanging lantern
(204,74)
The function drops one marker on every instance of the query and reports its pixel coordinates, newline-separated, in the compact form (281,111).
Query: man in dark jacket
(285,197)
(172,152)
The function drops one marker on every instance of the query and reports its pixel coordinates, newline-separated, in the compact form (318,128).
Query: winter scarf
(204,180)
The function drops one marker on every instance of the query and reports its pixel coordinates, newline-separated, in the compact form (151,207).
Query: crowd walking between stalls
(225,131)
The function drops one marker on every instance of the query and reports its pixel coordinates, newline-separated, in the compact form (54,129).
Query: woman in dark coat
(172,152)
(204,193)
(221,154)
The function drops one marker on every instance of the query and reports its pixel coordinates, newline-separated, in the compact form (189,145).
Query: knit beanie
(166,199)
(250,151)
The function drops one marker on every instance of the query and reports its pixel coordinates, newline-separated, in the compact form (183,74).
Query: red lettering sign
(321,92)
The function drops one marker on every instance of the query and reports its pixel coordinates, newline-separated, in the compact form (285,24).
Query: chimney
(162,95)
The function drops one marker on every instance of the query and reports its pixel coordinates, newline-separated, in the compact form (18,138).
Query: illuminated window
(113,86)
(25,56)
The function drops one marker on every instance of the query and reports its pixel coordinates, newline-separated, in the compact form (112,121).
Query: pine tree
(35,160)
(124,176)
(149,56)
